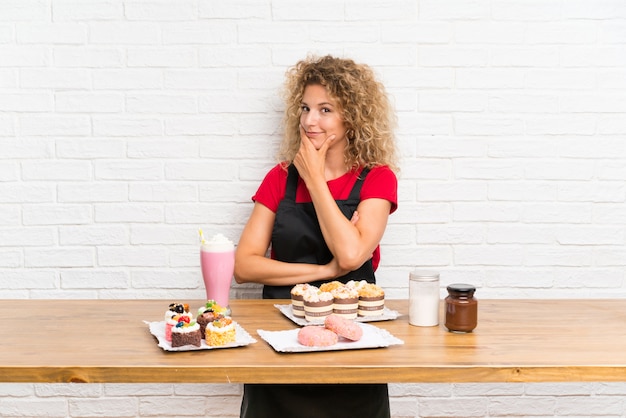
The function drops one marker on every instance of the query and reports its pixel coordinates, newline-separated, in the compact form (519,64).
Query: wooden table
(100,341)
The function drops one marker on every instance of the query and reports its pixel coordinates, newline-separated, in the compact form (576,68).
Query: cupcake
(297,298)
(371,300)
(317,306)
(345,302)
(186,333)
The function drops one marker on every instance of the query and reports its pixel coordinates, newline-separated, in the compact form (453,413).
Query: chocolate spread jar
(461,308)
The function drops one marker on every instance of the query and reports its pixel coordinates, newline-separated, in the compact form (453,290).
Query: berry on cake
(175,313)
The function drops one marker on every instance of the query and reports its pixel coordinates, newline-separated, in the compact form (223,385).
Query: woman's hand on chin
(310,161)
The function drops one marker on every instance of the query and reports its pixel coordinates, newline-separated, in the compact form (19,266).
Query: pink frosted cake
(186,333)
(316,336)
(317,306)
(344,327)
(176,312)
(356,284)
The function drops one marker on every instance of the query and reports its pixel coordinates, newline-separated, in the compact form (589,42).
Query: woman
(322,211)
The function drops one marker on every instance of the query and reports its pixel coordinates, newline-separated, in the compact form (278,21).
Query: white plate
(287,341)
(387,315)
(158,330)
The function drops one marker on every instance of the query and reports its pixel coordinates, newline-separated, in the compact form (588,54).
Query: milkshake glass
(217,259)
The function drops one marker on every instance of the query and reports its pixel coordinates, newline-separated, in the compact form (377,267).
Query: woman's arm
(252,264)
(352,243)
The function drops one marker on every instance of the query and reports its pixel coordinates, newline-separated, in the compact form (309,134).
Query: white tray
(287,341)
(387,315)
(158,330)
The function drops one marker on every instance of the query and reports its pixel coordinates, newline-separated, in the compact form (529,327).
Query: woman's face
(321,116)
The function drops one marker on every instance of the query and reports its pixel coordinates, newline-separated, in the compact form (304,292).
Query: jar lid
(424,275)
(461,287)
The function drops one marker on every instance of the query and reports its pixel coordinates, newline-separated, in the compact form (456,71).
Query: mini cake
(343,327)
(186,333)
(316,336)
(209,313)
(317,306)
(175,313)
(345,302)
(220,332)
(371,300)
(297,298)
(330,286)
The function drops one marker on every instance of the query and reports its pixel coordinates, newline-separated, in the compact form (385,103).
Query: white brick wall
(127,124)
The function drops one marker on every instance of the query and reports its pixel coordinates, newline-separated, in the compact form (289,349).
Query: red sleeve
(272,188)
(381,183)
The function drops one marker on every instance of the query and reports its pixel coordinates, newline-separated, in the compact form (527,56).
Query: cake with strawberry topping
(175,313)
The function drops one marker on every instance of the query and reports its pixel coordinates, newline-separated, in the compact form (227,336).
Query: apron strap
(355,193)
(292,183)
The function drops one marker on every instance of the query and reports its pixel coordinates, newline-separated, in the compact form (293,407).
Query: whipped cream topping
(356,284)
(221,326)
(191,327)
(318,296)
(219,243)
(345,292)
(301,289)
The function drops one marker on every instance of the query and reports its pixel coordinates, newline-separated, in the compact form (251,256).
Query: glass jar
(424,298)
(461,308)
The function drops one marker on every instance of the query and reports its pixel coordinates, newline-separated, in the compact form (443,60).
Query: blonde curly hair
(366,110)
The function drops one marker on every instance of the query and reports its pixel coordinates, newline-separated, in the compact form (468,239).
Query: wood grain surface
(515,341)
